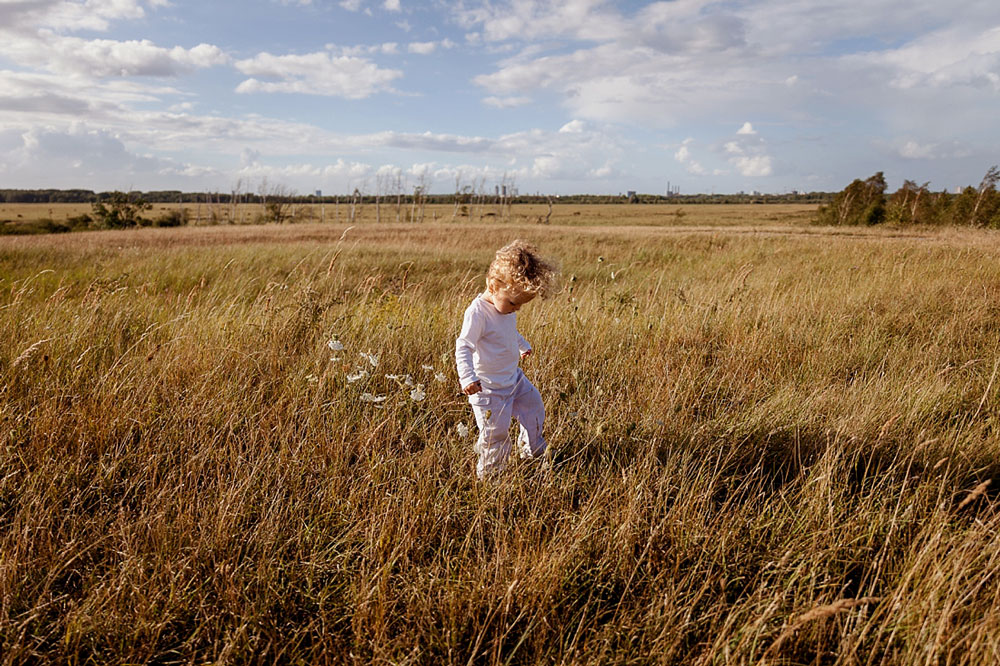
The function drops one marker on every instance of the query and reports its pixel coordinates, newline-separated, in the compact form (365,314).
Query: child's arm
(523,346)
(465,345)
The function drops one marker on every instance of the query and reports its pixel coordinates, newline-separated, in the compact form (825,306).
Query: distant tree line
(865,202)
(224,198)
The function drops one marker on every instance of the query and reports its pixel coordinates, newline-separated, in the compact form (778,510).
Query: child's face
(507,301)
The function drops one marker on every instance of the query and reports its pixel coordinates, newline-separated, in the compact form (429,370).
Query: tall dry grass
(766,448)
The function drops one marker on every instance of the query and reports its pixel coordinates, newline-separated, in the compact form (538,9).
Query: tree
(120,210)
(987,202)
(357,201)
(910,204)
(277,201)
(419,198)
(861,202)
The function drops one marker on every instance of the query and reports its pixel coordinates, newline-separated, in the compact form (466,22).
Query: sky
(579,96)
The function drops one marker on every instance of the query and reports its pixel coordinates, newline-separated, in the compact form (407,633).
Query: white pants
(494,411)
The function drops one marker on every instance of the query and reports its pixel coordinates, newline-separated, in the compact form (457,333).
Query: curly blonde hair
(517,267)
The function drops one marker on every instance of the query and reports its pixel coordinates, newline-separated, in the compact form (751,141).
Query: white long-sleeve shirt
(489,347)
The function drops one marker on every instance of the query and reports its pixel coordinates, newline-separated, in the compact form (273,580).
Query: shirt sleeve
(465,345)
(522,345)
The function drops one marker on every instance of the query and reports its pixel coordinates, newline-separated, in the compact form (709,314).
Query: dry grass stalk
(28,353)
(817,613)
(975,493)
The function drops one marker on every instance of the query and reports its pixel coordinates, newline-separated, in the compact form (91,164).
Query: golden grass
(205,214)
(756,427)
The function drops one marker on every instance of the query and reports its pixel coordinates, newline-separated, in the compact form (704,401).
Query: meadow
(770,443)
(17,216)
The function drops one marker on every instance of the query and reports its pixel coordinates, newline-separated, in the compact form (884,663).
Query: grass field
(770,443)
(673,215)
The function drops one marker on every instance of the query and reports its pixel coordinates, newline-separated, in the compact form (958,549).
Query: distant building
(632,198)
(319,193)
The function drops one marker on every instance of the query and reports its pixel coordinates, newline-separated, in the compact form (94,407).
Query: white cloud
(915,151)
(80,156)
(506,102)
(69,15)
(911,149)
(102,58)
(391,5)
(752,166)
(748,153)
(686,59)
(385,48)
(957,55)
(422,48)
(318,73)
(537,19)
(684,156)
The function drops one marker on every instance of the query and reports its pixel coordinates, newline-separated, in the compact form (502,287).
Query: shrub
(78,222)
(171,218)
(119,210)
(42,226)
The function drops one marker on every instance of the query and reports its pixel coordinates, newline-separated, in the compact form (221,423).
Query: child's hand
(526,354)
(474,387)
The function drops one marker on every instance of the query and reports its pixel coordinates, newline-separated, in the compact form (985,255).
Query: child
(487,353)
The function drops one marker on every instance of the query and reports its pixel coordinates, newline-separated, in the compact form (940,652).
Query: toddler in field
(487,352)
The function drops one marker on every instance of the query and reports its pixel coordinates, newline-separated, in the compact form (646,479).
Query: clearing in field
(770,442)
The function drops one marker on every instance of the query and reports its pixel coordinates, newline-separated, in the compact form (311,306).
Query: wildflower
(368,397)
(440,377)
(335,345)
(334,359)
(371,358)
(312,379)
(358,375)
(417,394)
(429,368)
(402,380)
(463,430)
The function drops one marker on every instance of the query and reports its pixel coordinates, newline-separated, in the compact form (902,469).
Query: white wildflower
(312,379)
(368,397)
(417,394)
(463,430)
(371,358)
(335,345)
(402,380)
(356,376)
(334,359)
(440,377)
(429,368)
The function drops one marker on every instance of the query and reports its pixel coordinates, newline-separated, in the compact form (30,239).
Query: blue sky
(577,96)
